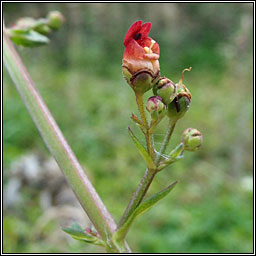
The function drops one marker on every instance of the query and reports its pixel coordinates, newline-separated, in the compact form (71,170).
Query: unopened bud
(56,19)
(179,106)
(192,139)
(166,89)
(42,28)
(156,108)
(141,81)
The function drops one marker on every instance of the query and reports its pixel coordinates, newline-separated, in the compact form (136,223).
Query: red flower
(141,52)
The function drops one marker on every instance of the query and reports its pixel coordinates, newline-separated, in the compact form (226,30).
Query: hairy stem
(58,146)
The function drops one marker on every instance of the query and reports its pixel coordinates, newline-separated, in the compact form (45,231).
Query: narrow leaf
(176,154)
(136,120)
(149,161)
(76,226)
(147,204)
(76,232)
(142,208)
(177,151)
(28,38)
(79,235)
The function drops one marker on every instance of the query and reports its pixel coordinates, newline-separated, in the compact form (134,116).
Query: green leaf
(27,38)
(79,234)
(76,226)
(120,234)
(149,161)
(138,122)
(176,154)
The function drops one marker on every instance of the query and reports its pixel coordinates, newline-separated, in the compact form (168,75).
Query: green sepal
(27,38)
(149,161)
(176,154)
(120,234)
(76,232)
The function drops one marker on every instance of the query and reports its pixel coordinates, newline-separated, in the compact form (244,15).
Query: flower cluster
(141,70)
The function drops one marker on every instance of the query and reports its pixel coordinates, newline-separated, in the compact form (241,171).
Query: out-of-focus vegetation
(79,76)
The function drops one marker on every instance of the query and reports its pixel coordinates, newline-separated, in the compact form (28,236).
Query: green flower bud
(166,89)
(141,81)
(42,28)
(156,108)
(56,19)
(192,139)
(180,105)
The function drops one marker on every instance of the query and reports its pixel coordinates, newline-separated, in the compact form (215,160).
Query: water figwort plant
(141,69)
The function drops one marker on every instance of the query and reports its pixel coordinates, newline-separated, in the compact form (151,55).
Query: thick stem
(166,140)
(58,146)
(138,194)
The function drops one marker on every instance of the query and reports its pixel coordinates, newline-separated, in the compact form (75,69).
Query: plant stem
(147,178)
(138,194)
(58,146)
(166,140)
(148,135)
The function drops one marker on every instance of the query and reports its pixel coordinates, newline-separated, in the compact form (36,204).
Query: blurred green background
(79,76)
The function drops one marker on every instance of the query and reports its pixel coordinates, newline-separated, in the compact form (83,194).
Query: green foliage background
(79,76)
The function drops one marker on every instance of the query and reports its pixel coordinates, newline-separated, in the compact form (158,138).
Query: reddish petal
(135,28)
(146,42)
(145,29)
(133,50)
(155,48)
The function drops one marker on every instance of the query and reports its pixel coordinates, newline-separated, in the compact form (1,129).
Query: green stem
(166,140)
(138,195)
(147,178)
(148,135)
(58,146)
(149,174)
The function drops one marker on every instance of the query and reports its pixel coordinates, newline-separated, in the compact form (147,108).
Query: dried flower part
(181,86)
(140,56)
(192,139)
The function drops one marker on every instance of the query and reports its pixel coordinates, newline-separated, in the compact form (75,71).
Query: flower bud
(180,105)
(42,28)
(192,139)
(56,19)
(166,89)
(156,108)
(141,81)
